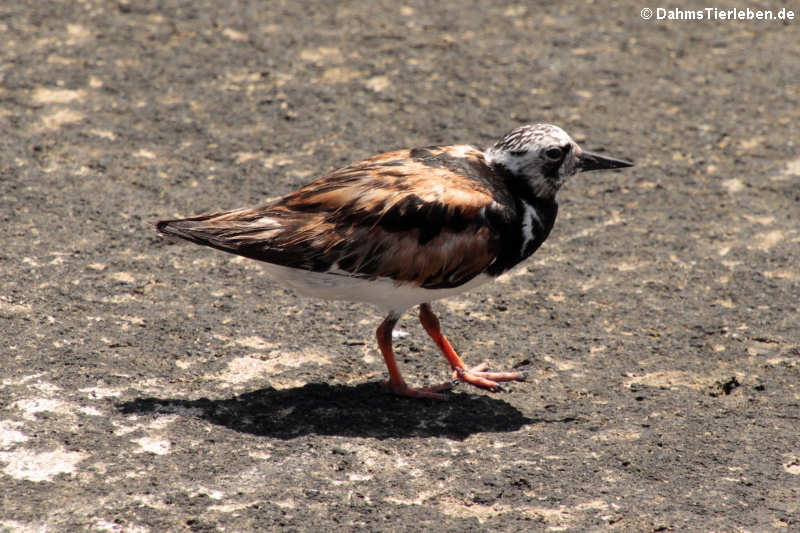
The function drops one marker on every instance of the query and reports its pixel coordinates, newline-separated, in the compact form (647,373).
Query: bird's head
(545,156)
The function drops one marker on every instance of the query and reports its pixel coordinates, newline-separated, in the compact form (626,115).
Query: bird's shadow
(365,410)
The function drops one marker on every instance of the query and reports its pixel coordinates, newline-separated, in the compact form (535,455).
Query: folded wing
(426,218)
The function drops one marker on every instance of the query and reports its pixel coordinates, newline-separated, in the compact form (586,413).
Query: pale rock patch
(40,466)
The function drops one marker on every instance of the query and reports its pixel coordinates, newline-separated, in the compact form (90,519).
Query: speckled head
(545,156)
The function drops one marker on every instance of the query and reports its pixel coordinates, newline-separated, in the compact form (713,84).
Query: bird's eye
(518,153)
(554,154)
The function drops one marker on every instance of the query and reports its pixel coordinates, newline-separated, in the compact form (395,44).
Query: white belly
(382,292)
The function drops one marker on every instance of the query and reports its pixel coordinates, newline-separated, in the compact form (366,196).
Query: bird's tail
(227,231)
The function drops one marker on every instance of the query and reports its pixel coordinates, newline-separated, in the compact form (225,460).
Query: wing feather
(425,217)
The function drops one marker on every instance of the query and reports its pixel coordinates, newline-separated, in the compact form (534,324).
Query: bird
(408,227)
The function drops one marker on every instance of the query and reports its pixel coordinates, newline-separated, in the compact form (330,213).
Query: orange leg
(396,381)
(477,375)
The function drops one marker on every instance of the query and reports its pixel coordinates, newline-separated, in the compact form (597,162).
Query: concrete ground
(148,387)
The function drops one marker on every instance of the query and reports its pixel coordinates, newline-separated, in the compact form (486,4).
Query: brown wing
(426,216)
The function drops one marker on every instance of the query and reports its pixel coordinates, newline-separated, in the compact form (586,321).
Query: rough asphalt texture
(152,387)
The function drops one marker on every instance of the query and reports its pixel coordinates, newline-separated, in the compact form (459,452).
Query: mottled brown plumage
(391,216)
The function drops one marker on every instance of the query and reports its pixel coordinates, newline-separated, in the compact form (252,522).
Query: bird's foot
(433,392)
(478,376)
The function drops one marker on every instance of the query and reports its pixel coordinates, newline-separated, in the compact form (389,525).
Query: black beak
(592,161)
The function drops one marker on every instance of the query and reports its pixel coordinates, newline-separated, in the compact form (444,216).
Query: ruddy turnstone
(407,227)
